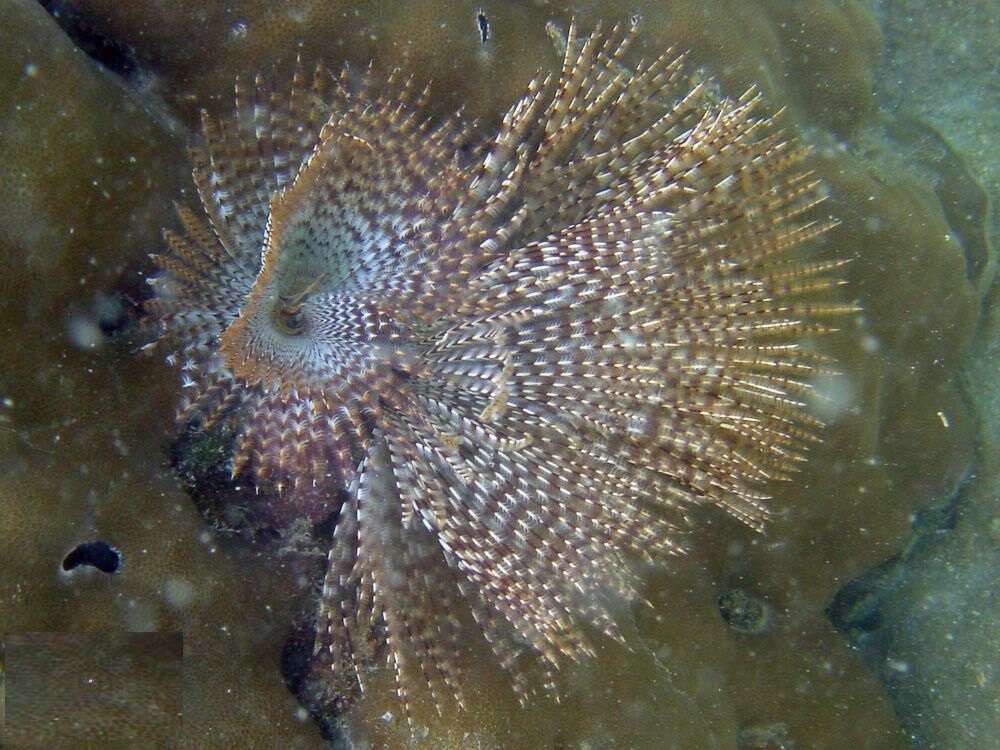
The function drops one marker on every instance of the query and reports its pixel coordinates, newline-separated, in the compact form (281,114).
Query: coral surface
(115,689)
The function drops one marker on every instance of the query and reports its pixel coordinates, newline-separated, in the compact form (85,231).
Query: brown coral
(506,367)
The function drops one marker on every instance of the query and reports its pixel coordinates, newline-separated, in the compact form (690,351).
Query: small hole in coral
(483,26)
(100,555)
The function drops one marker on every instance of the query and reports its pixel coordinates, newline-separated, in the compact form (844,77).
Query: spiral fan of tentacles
(507,366)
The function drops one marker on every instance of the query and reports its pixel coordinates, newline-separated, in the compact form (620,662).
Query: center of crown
(287,315)
(288,320)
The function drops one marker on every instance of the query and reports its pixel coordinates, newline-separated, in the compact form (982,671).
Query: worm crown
(505,365)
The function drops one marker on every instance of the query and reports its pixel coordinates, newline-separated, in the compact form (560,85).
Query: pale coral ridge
(507,366)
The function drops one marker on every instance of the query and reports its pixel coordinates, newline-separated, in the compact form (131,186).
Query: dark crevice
(114,55)
(326,698)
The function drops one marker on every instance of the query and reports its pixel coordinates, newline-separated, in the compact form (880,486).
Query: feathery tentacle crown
(505,369)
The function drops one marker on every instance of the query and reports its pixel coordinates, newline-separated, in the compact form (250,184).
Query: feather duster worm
(505,366)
